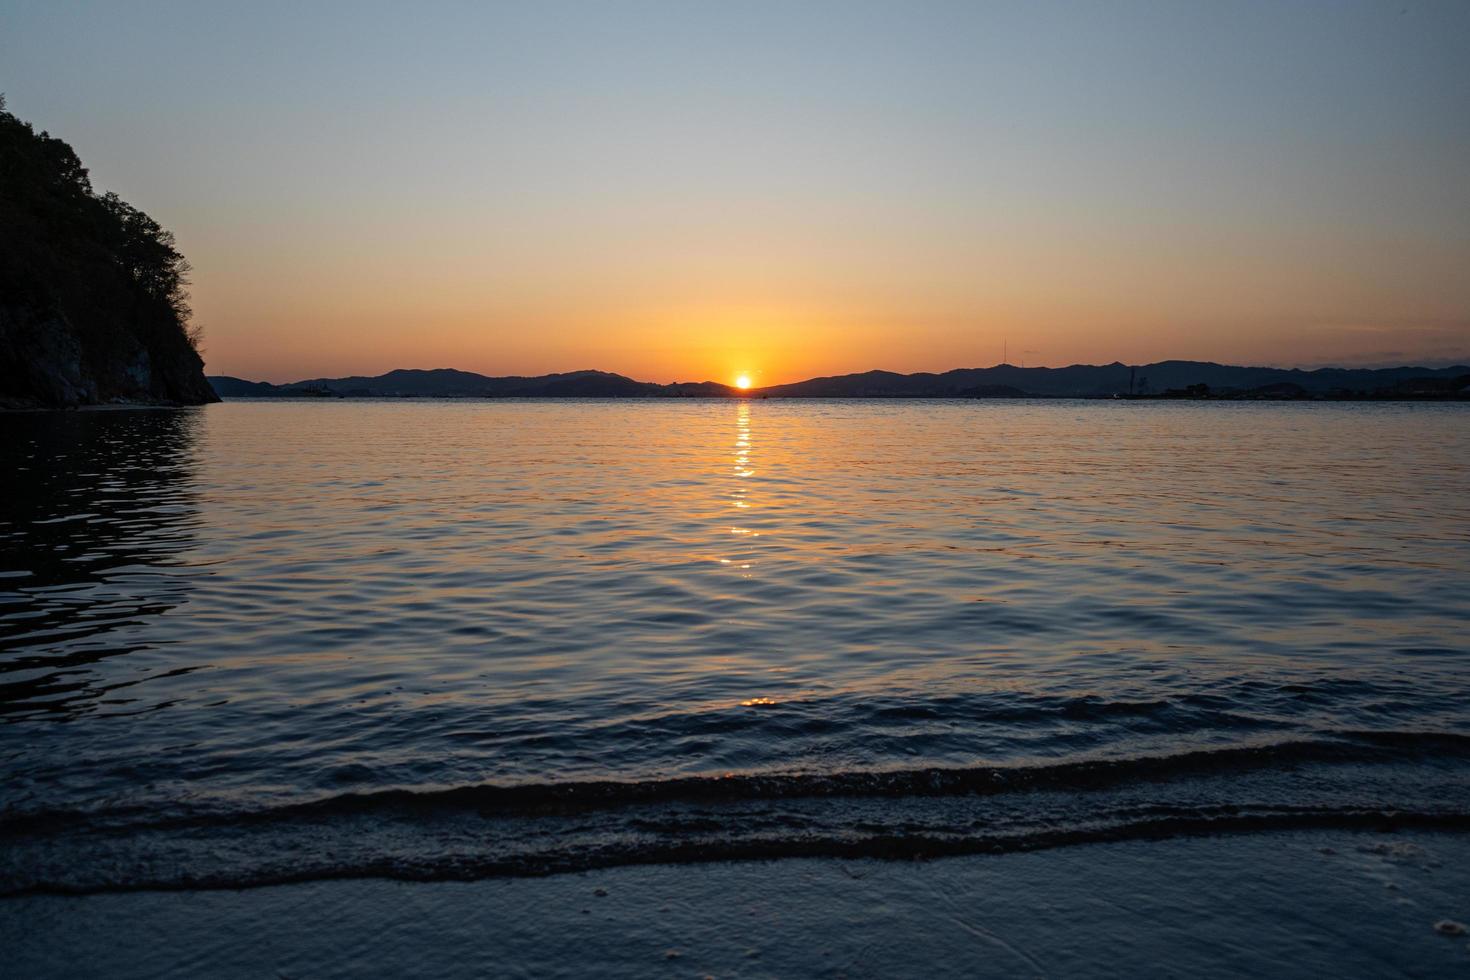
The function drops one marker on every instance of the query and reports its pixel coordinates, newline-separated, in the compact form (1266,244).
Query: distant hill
(1100,381)
(449,383)
(227,387)
(93,307)
(1001,381)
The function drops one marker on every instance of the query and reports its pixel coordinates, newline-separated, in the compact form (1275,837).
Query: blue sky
(686,190)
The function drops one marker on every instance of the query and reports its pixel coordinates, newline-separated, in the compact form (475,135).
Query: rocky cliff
(93,308)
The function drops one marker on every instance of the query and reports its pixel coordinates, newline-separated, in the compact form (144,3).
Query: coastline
(115,407)
(1272,904)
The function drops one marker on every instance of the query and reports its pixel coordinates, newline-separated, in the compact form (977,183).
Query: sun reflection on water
(739,495)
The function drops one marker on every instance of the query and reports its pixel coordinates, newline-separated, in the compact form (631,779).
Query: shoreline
(130,407)
(1281,903)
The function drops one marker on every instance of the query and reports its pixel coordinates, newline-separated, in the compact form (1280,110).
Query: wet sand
(1289,904)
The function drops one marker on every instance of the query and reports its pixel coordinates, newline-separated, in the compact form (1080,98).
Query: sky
(689,191)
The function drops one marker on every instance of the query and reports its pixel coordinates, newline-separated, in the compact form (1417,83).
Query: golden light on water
(742,381)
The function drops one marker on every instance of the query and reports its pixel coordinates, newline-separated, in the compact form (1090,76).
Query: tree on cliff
(93,292)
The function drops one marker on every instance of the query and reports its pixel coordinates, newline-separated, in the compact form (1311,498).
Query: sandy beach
(1299,904)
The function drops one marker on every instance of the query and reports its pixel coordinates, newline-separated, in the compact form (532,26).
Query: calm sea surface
(267,641)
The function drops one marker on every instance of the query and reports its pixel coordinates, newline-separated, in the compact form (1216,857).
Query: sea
(273,641)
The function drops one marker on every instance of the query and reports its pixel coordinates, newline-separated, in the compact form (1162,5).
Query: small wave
(1341,747)
(1356,747)
(1358,780)
(880,843)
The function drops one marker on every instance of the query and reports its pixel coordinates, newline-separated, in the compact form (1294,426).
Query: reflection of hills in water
(101,506)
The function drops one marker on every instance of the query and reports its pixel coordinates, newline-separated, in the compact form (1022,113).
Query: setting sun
(742,381)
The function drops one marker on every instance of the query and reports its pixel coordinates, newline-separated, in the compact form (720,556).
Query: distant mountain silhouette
(228,387)
(1100,381)
(449,383)
(1001,381)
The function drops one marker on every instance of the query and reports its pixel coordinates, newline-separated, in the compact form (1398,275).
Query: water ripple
(252,605)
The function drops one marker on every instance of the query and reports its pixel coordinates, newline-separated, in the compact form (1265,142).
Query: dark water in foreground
(285,641)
